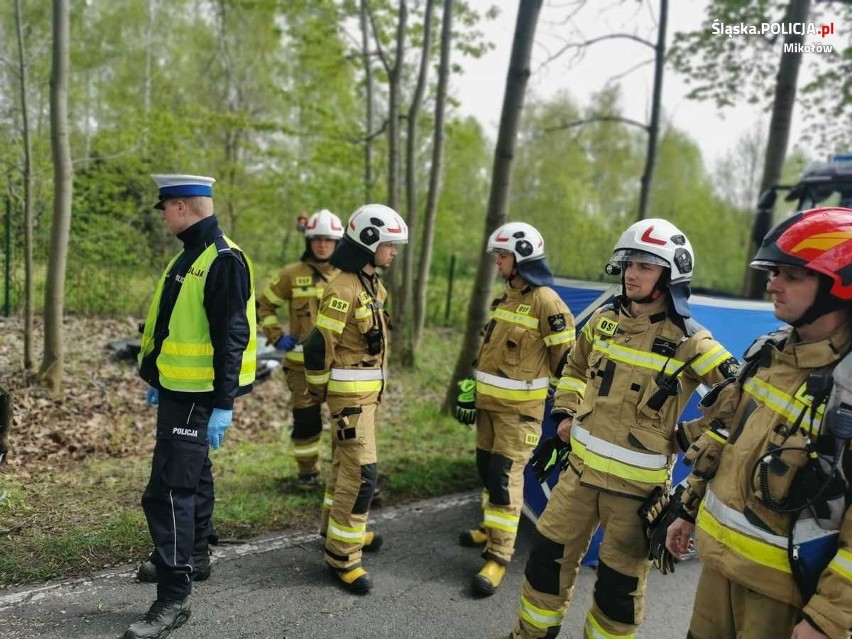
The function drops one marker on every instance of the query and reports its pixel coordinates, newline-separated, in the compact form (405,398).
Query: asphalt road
(279,588)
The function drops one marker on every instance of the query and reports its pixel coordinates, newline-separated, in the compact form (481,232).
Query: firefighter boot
(372,541)
(473,538)
(356,580)
(307,481)
(162,617)
(486,581)
(147,570)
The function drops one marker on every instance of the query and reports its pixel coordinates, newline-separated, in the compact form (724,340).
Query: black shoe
(162,617)
(147,570)
(307,481)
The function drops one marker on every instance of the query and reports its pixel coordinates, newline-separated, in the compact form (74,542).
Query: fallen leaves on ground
(102,411)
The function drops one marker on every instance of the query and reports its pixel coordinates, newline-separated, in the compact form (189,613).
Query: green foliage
(731,69)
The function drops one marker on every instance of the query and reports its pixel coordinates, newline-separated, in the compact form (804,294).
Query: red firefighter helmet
(819,240)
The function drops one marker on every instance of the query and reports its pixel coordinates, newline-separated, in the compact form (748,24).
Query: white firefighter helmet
(369,226)
(522,239)
(656,241)
(324,224)
(375,224)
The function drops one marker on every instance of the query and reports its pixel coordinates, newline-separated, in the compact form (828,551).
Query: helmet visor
(620,256)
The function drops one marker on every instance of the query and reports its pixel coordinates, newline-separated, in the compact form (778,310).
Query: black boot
(162,617)
(147,570)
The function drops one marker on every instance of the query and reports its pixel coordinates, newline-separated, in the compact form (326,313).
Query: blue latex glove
(286,342)
(220,420)
(153,396)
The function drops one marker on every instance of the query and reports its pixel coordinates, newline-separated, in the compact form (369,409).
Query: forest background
(297,105)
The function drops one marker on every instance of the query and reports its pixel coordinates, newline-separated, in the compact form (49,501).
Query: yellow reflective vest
(185,361)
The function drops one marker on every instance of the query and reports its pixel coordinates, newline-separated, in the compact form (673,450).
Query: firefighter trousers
(351,483)
(307,421)
(726,610)
(564,531)
(504,443)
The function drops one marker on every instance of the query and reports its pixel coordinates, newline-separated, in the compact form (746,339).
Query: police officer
(301,285)
(628,377)
(197,354)
(345,363)
(766,482)
(525,344)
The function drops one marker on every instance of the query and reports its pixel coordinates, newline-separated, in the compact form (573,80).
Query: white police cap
(179,186)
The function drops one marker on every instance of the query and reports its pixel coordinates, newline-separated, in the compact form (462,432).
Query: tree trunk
(397,294)
(54,298)
(513,102)
(435,175)
(368,98)
(405,328)
(656,108)
(28,196)
(754,285)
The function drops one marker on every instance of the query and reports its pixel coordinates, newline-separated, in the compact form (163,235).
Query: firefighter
(524,346)
(197,354)
(768,484)
(628,377)
(345,365)
(301,285)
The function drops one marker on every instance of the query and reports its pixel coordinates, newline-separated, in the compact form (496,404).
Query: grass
(76,519)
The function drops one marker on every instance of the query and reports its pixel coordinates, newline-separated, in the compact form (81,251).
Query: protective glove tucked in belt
(153,396)
(657,513)
(549,455)
(466,402)
(286,342)
(220,420)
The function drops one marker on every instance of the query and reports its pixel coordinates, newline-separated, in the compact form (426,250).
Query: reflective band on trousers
(731,529)
(309,450)
(514,389)
(540,617)
(500,519)
(599,454)
(596,631)
(297,354)
(356,380)
(346,534)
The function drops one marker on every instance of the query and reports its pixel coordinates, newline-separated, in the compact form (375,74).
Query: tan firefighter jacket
(300,285)
(621,437)
(345,353)
(736,533)
(525,344)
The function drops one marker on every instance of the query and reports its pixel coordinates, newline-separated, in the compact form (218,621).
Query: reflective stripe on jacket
(300,286)
(338,359)
(525,341)
(737,534)
(622,430)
